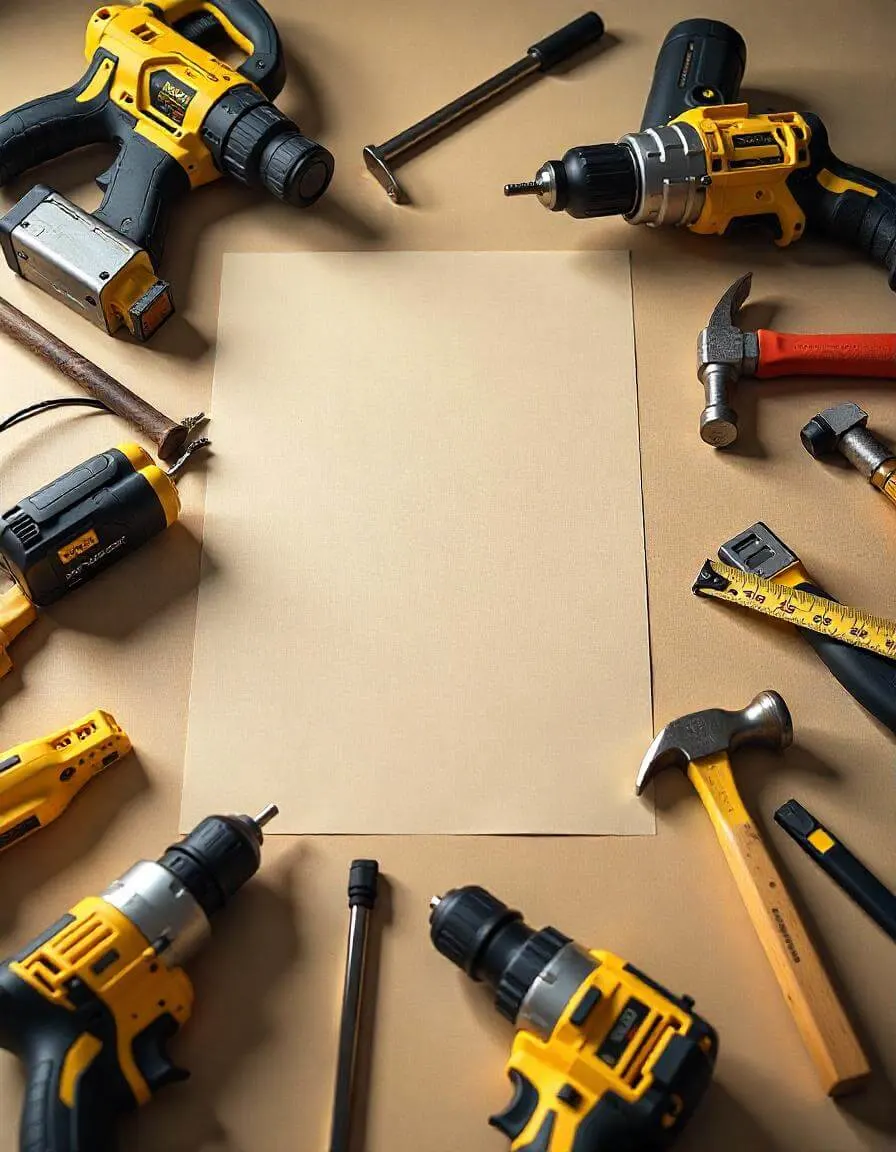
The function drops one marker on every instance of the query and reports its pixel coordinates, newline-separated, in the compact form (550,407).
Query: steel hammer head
(724,354)
(765,720)
(824,433)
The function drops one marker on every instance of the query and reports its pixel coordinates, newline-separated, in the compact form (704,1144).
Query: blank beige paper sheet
(423,600)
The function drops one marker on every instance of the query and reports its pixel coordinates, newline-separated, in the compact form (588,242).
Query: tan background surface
(459,624)
(263,1038)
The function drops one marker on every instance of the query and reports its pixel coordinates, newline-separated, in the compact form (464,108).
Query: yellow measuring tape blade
(817,613)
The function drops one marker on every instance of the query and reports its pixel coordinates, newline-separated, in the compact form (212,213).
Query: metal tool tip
(526,188)
(434,903)
(266,815)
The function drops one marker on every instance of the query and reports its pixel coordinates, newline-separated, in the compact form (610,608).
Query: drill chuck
(251,140)
(218,857)
(590,181)
(492,943)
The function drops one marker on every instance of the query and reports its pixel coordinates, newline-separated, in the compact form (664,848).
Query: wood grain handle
(827,1033)
(168,436)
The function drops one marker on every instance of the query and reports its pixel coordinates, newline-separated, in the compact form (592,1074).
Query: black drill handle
(50,1125)
(700,62)
(847,203)
(204,21)
(74,1086)
(869,678)
(51,126)
(141,188)
(143,183)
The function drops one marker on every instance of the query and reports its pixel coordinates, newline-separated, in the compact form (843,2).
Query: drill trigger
(513,1120)
(151,1057)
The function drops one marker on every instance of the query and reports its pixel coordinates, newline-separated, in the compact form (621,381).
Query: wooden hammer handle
(819,1015)
(168,436)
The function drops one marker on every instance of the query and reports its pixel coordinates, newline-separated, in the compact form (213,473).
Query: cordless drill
(180,118)
(716,165)
(75,527)
(604,1058)
(91,1004)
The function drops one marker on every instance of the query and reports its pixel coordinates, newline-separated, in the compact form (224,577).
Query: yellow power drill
(180,118)
(716,166)
(91,1004)
(39,780)
(604,1059)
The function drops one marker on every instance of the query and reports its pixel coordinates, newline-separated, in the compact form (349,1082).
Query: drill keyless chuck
(491,943)
(255,143)
(596,180)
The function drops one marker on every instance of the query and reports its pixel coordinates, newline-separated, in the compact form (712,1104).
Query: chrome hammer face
(844,429)
(724,354)
(765,720)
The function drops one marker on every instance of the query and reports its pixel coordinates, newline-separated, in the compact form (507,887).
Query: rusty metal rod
(168,435)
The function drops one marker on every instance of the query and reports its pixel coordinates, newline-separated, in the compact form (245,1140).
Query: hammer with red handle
(725,353)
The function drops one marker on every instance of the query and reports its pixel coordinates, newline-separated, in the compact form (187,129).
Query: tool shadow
(255,945)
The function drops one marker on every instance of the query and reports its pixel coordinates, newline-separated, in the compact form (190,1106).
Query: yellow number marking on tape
(840,621)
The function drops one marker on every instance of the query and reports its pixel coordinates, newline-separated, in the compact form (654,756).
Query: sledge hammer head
(724,354)
(765,720)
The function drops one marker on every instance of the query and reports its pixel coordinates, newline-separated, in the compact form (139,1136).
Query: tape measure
(805,610)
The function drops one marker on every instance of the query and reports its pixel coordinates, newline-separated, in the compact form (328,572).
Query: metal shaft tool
(701,744)
(560,45)
(362,891)
(169,436)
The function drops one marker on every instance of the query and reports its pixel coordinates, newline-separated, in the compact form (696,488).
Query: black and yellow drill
(91,1004)
(180,118)
(703,161)
(604,1058)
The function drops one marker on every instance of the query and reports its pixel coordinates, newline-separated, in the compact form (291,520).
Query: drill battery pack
(73,528)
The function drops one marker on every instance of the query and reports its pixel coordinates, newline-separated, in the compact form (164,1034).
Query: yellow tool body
(168,106)
(715,166)
(749,161)
(612,1052)
(180,117)
(91,1003)
(39,780)
(604,1057)
(783,599)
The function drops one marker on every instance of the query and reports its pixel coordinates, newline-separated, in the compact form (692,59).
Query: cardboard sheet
(424,559)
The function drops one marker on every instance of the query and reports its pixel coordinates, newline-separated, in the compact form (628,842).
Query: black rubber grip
(863,219)
(42,1033)
(363,882)
(47,128)
(568,40)
(841,865)
(869,678)
(265,66)
(141,188)
(700,62)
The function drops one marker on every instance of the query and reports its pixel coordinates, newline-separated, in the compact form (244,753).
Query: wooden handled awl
(168,435)
(701,743)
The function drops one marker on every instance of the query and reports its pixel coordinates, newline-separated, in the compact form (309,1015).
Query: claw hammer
(725,354)
(701,743)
